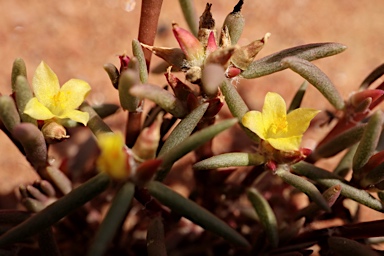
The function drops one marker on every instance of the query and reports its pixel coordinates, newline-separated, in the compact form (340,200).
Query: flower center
(278,127)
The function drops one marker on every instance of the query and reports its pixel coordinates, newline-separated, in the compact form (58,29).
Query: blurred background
(75,38)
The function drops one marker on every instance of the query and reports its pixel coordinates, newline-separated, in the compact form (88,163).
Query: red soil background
(77,37)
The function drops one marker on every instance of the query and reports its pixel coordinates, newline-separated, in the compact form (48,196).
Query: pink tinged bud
(189,44)
(146,144)
(232,71)
(211,45)
(243,57)
(271,165)
(124,61)
(357,98)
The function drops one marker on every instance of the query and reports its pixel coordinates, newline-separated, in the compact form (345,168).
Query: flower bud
(54,132)
(235,23)
(206,26)
(243,56)
(124,61)
(174,56)
(146,144)
(189,44)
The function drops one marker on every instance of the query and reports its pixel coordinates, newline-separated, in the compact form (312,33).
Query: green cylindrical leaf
(18,69)
(266,215)
(184,128)
(8,113)
(229,160)
(189,12)
(58,178)
(317,78)
(33,143)
(95,123)
(128,79)
(190,144)
(338,143)
(113,74)
(272,63)
(112,221)
(233,99)
(345,246)
(368,143)
(54,212)
(195,213)
(345,164)
(304,186)
(296,101)
(105,110)
(139,54)
(329,179)
(161,97)
(235,23)
(155,238)
(23,94)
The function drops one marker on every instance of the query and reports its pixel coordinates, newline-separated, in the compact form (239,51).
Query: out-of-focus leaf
(329,179)
(195,213)
(372,77)
(345,246)
(229,160)
(112,221)
(266,215)
(54,212)
(296,101)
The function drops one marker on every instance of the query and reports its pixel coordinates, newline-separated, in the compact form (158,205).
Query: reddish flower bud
(124,61)
(189,44)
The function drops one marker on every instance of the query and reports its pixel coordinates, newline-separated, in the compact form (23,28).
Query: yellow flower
(113,158)
(51,101)
(284,132)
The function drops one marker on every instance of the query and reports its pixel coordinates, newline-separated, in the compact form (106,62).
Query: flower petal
(76,115)
(286,144)
(113,158)
(73,93)
(45,84)
(299,119)
(253,120)
(37,110)
(274,109)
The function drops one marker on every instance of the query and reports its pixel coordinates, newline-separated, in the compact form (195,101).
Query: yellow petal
(76,115)
(299,119)
(274,109)
(253,120)
(286,144)
(73,93)
(112,158)
(37,110)
(45,84)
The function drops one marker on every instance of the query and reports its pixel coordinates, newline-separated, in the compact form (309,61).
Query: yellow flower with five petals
(281,130)
(114,159)
(53,102)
